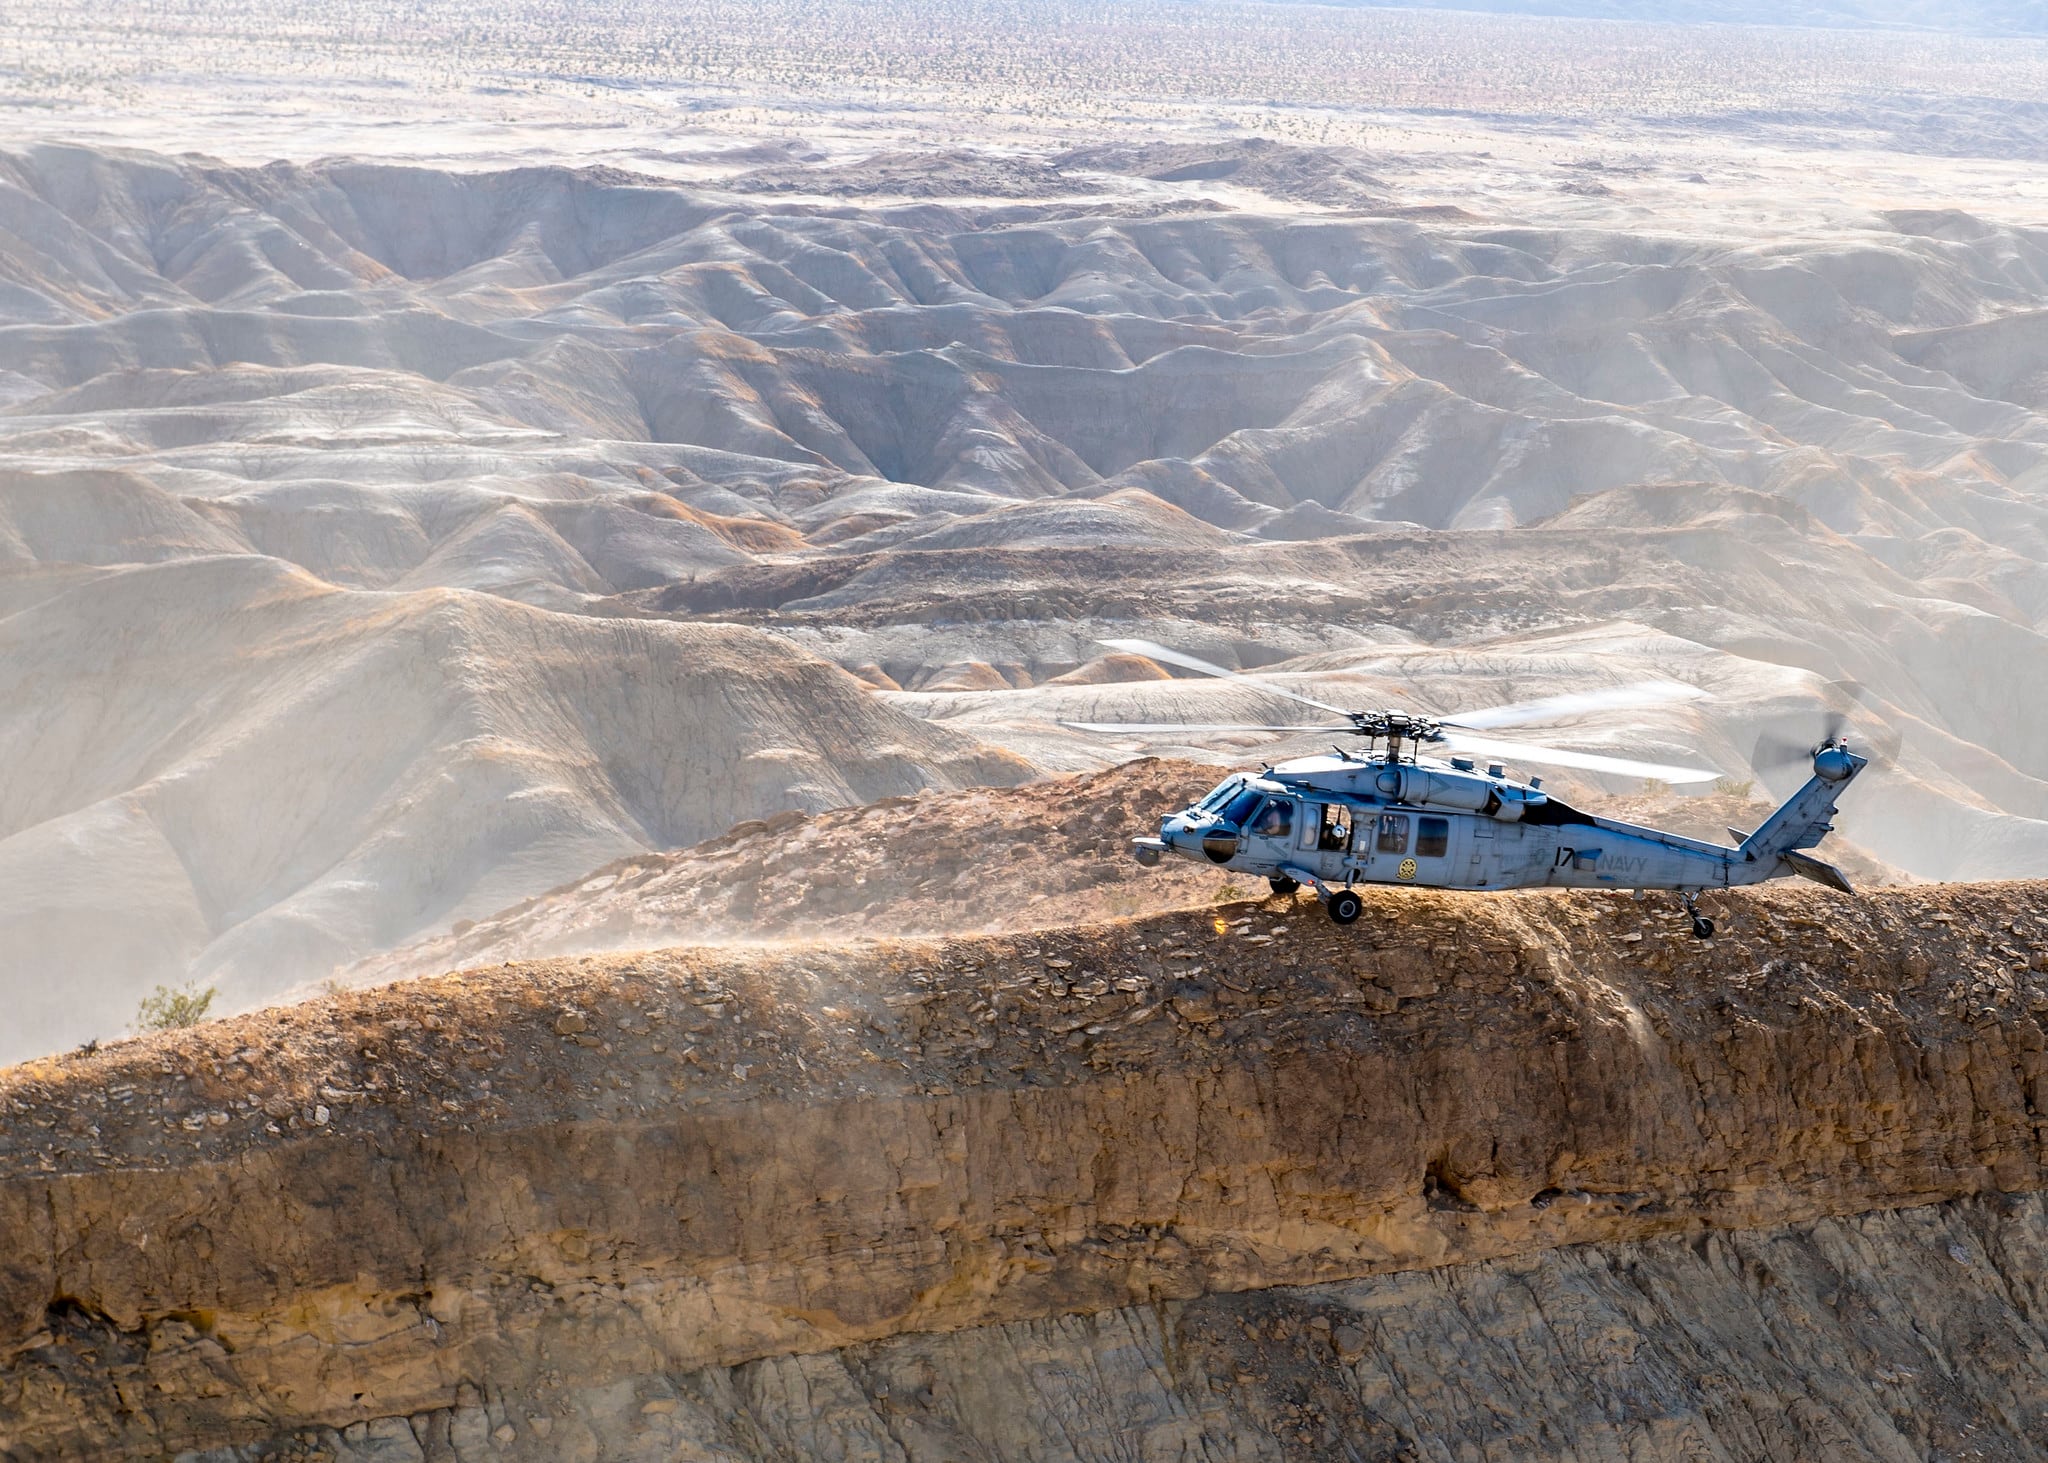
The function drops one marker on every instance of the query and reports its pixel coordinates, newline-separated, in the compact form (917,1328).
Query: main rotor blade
(1191,726)
(1153,651)
(1584,761)
(1575,703)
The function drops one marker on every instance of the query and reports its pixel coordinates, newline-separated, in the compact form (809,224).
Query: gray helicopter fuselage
(1342,821)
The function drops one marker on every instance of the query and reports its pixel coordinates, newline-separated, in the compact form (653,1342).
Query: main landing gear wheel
(1345,906)
(1702,927)
(1281,884)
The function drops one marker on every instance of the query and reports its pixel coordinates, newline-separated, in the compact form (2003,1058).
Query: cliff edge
(1492,1177)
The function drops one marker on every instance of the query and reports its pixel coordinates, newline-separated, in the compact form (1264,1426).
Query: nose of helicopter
(1184,834)
(1150,851)
(1188,833)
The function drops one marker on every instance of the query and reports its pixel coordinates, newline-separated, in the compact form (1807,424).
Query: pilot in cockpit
(1275,820)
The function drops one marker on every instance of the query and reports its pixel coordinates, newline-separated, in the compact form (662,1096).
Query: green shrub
(166,1008)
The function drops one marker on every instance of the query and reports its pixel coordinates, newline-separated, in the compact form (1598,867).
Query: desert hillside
(385,544)
(592,595)
(1534,1176)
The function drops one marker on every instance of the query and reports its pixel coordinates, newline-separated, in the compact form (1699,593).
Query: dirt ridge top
(557,1173)
(627,1034)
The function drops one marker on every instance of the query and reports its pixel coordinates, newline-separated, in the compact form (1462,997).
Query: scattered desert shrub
(168,1007)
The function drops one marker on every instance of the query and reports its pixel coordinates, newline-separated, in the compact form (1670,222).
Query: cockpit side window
(1276,819)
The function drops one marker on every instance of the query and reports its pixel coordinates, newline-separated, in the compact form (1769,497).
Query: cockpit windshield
(1219,794)
(1240,807)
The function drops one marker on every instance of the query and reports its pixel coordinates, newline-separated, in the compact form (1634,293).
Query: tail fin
(1805,819)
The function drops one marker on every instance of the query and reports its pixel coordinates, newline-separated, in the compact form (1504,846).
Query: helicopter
(1390,815)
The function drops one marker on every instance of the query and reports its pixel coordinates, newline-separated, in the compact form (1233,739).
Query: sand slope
(228,769)
(388,544)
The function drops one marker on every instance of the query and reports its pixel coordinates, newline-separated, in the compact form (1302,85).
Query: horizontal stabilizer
(1806,866)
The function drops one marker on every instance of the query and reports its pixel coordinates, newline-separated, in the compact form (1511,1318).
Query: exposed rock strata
(1882,1336)
(558,1176)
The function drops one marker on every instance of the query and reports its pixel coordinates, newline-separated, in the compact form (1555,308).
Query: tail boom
(1778,847)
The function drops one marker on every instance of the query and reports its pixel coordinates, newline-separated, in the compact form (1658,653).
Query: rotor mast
(1394,728)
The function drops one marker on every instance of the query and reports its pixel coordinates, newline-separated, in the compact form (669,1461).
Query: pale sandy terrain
(443,457)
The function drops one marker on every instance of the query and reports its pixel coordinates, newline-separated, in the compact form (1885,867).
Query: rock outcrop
(1240,1179)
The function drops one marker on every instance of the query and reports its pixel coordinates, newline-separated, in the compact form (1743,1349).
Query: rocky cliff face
(1533,1176)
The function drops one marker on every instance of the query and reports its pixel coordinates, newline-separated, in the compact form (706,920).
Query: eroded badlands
(388,545)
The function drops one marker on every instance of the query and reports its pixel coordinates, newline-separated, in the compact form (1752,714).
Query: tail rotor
(1785,749)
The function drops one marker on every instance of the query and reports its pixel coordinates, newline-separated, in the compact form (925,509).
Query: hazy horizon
(1961,17)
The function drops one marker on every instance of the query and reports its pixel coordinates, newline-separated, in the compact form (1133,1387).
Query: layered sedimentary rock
(600,1208)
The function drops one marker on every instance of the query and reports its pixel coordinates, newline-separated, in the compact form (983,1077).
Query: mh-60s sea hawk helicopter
(1392,816)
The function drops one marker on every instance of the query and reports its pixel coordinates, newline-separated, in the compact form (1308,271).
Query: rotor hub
(1398,726)
(1834,762)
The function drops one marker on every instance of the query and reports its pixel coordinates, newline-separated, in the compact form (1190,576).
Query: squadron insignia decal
(1407,868)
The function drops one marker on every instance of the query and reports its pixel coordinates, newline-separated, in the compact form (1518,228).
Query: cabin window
(1240,807)
(1275,820)
(1393,833)
(1432,837)
(1336,834)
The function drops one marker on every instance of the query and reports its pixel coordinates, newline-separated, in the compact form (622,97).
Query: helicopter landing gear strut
(1702,927)
(1342,905)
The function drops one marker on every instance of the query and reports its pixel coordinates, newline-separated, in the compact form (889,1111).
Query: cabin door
(1485,853)
(1325,840)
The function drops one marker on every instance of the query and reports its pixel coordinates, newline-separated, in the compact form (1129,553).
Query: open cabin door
(1327,843)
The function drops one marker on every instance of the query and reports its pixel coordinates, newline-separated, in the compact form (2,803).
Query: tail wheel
(1346,906)
(1702,927)
(1281,884)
